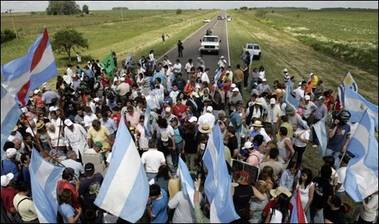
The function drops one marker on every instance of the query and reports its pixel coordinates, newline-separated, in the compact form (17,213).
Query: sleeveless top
(283,152)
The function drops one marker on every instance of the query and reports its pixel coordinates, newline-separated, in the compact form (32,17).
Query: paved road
(191,50)
(192,44)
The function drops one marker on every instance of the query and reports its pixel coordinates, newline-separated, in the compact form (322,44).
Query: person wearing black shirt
(180,49)
(333,212)
(323,189)
(241,197)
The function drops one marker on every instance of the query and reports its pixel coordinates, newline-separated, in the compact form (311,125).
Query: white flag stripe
(131,160)
(7,104)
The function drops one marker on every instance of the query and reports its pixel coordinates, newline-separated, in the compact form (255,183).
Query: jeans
(150,175)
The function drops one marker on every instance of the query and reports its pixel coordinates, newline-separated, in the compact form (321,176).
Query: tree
(85,9)
(178,11)
(62,8)
(69,40)
(7,35)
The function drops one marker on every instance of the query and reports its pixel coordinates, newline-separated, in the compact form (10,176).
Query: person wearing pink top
(255,156)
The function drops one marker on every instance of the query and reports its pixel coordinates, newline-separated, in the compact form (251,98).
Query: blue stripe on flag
(9,123)
(188,187)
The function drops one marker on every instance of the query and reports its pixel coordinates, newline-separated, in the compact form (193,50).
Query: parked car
(206,21)
(219,18)
(254,50)
(210,44)
(228,18)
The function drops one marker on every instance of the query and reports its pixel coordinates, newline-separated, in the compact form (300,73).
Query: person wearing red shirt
(37,99)
(8,193)
(116,115)
(67,176)
(179,109)
(329,99)
(279,204)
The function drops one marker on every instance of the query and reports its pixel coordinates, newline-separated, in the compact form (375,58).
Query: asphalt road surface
(192,44)
(191,50)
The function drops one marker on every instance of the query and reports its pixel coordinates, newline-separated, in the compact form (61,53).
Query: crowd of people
(170,109)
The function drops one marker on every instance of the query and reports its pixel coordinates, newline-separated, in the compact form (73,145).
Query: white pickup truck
(253,49)
(210,44)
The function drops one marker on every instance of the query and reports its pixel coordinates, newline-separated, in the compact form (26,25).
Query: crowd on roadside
(170,109)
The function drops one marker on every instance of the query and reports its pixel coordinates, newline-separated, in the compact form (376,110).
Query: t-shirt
(123,88)
(159,208)
(66,211)
(90,187)
(182,208)
(25,208)
(100,136)
(78,167)
(335,216)
(152,159)
(323,189)
(241,199)
(342,132)
(63,184)
(7,196)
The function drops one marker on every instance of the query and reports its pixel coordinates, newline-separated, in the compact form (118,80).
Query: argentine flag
(125,190)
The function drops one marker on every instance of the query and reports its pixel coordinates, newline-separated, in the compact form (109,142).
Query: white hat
(192,119)
(209,109)
(122,79)
(248,145)
(53,108)
(168,109)
(233,86)
(236,90)
(257,123)
(68,122)
(5,179)
(164,136)
(264,80)
(307,97)
(36,91)
(272,101)
(97,99)
(280,190)
(222,56)
(11,152)
(285,70)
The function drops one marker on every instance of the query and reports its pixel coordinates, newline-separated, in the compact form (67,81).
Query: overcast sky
(26,6)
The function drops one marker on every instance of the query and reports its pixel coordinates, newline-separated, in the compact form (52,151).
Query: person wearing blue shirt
(66,210)
(9,165)
(157,205)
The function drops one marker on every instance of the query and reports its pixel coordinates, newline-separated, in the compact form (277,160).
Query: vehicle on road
(206,21)
(210,44)
(254,50)
(228,18)
(220,18)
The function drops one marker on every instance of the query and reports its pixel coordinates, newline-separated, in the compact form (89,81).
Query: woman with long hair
(306,190)
(259,201)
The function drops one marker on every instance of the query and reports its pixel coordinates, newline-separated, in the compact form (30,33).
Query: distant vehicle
(210,44)
(206,21)
(254,50)
(208,32)
(228,18)
(219,18)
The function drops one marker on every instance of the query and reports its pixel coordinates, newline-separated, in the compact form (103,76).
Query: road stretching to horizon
(191,46)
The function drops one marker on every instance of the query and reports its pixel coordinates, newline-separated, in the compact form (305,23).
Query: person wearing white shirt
(258,129)
(207,118)
(72,163)
(300,91)
(68,76)
(89,116)
(273,112)
(204,76)
(166,61)
(222,62)
(182,206)
(188,66)
(369,210)
(151,56)
(177,67)
(174,93)
(76,137)
(152,159)
(301,139)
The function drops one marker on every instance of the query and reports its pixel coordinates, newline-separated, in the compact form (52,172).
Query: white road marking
(227,38)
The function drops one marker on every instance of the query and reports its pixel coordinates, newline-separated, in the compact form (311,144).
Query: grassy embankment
(138,32)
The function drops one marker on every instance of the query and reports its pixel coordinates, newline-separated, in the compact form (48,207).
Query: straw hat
(205,128)
(164,136)
(280,190)
(40,125)
(257,123)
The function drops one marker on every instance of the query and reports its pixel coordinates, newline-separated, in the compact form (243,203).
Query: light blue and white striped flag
(289,98)
(146,122)
(356,104)
(218,182)
(320,130)
(349,82)
(188,187)
(125,190)
(44,177)
(362,170)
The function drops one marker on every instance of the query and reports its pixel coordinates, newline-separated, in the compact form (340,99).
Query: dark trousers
(246,78)
(180,53)
(299,151)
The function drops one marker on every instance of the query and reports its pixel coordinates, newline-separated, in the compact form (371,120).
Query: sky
(27,6)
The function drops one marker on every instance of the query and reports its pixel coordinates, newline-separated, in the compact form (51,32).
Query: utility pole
(14,26)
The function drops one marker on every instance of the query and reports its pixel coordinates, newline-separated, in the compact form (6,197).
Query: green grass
(283,50)
(104,30)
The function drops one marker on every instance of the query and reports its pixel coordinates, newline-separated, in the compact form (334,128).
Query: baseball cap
(53,108)
(248,145)
(89,167)
(6,179)
(68,122)
(264,80)
(307,97)
(164,136)
(209,109)
(11,152)
(192,119)
(236,90)
(36,91)
(233,86)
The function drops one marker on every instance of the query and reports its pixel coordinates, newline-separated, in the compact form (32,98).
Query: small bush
(178,11)
(7,35)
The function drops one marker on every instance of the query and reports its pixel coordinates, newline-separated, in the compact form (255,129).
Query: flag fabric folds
(125,189)
(349,82)
(362,170)
(297,214)
(356,104)
(188,187)
(21,76)
(44,177)
(289,98)
(108,65)
(218,182)
(321,133)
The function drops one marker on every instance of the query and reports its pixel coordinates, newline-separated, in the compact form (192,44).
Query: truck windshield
(210,39)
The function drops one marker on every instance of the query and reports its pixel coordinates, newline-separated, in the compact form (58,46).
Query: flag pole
(37,140)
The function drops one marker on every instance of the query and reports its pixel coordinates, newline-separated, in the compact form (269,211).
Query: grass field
(138,31)
(284,50)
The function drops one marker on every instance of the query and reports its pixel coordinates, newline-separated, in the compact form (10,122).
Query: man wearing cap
(309,108)
(8,193)
(259,130)
(10,165)
(321,110)
(76,138)
(273,114)
(89,188)
(37,100)
(263,87)
(99,134)
(168,115)
(207,118)
(236,98)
